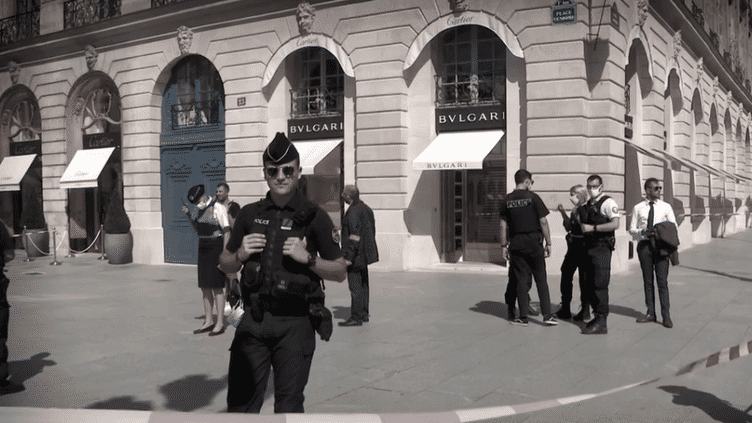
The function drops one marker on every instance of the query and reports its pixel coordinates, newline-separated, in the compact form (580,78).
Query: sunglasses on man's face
(272,172)
(657,188)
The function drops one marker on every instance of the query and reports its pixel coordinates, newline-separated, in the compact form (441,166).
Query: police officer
(523,215)
(284,234)
(600,220)
(6,254)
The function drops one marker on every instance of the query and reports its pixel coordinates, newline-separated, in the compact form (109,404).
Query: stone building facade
(429,106)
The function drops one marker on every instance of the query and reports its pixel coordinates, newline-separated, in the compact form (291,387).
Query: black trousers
(574,260)
(598,276)
(357,280)
(282,342)
(651,262)
(524,266)
(4,320)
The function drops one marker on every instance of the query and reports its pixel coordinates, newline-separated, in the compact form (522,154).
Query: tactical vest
(592,216)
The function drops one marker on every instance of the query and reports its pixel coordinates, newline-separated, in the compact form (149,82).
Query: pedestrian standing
(359,250)
(574,258)
(284,234)
(600,220)
(646,215)
(524,225)
(210,221)
(6,254)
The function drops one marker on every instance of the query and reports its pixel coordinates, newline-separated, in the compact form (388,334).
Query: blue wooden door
(192,150)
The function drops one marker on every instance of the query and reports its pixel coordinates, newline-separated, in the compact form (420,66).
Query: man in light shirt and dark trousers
(645,216)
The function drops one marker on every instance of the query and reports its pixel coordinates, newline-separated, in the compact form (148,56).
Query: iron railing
(19,27)
(197,114)
(470,90)
(77,13)
(309,102)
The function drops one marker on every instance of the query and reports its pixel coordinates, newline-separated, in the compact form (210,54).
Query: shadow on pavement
(122,403)
(493,308)
(339,312)
(715,272)
(713,406)
(624,311)
(23,370)
(192,392)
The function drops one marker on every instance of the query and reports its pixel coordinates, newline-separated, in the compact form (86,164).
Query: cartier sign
(101,140)
(470,118)
(315,128)
(26,147)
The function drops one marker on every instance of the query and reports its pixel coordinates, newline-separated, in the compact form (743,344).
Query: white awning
(12,171)
(84,169)
(458,150)
(313,152)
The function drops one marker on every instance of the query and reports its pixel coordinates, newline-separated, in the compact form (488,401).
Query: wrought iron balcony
(698,14)
(77,13)
(316,102)
(197,114)
(160,3)
(470,90)
(19,27)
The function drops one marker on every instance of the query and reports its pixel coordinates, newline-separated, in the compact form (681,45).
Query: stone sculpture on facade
(304,15)
(700,69)
(642,12)
(458,6)
(90,53)
(676,46)
(185,39)
(14,70)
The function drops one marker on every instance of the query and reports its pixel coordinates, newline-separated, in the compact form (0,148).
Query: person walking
(359,250)
(210,221)
(646,215)
(6,254)
(525,227)
(574,257)
(599,222)
(292,242)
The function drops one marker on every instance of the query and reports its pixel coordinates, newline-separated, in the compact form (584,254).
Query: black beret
(195,193)
(280,150)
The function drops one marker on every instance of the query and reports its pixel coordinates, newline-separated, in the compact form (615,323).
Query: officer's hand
(505,253)
(547,251)
(254,243)
(185,209)
(296,248)
(560,208)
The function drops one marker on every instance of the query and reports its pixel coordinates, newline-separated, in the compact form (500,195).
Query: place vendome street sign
(316,128)
(470,118)
(564,12)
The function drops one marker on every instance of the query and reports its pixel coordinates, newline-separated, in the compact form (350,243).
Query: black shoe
(520,322)
(510,313)
(218,333)
(204,330)
(365,319)
(647,318)
(10,387)
(667,321)
(564,314)
(596,327)
(582,316)
(351,322)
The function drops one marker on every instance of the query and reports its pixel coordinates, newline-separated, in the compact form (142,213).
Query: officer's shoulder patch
(614,210)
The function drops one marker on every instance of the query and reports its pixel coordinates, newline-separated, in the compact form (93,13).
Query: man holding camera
(279,239)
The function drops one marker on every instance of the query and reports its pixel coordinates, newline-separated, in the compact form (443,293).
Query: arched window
(319,85)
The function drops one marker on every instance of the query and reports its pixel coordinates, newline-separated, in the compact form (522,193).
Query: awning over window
(708,169)
(12,171)
(84,169)
(313,152)
(458,150)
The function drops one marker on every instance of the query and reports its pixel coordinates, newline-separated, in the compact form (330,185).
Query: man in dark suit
(359,250)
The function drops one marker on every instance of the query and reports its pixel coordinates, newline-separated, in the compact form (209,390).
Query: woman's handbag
(236,315)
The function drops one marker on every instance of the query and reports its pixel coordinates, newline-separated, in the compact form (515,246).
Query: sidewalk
(87,334)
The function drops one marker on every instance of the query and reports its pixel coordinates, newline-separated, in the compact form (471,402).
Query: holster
(321,320)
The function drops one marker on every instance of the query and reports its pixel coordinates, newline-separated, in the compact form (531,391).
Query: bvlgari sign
(315,128)
(470,118)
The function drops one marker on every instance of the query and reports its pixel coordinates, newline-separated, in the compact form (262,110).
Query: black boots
(596,326)
(584,313)
(564,313)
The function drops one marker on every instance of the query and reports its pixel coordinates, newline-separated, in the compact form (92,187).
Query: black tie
(651,217)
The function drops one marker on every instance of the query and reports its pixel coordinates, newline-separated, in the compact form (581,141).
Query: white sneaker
(550,321)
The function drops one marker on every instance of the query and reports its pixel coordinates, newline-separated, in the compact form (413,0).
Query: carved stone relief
(185,39)
(304,15)
(676,46)
(700,69)
(90,53)
(642,12)
(458,6)
(14,70)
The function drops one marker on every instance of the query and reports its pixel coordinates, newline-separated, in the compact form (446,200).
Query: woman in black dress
(210,221)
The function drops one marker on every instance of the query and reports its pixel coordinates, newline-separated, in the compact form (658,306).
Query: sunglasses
(593,186)
(272,172)
(657,188)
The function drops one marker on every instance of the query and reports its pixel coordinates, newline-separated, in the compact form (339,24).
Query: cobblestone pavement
(87,334)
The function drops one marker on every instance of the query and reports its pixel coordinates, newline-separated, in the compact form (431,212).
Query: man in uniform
(599,221)
(360,250)
(6,254)
(280,239)
(645,215)
(523,215)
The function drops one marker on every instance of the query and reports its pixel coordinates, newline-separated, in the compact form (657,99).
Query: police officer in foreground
(599,222)
(523,215)
(287,246)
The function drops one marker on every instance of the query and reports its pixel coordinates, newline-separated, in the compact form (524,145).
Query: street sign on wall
(564,12)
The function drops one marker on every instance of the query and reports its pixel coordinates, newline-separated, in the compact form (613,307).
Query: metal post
(101,232)
(70,250)
(54,249)
(27,239)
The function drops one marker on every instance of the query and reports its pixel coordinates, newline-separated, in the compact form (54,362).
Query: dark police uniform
(574,260)
(599,246)
(276,329)
(522,211)
(6,243)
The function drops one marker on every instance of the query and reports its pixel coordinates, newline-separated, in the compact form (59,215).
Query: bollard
(26,245)
(101,233)
(54,249)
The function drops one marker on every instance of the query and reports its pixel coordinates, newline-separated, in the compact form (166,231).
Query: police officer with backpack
(599,222)
(288,248)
